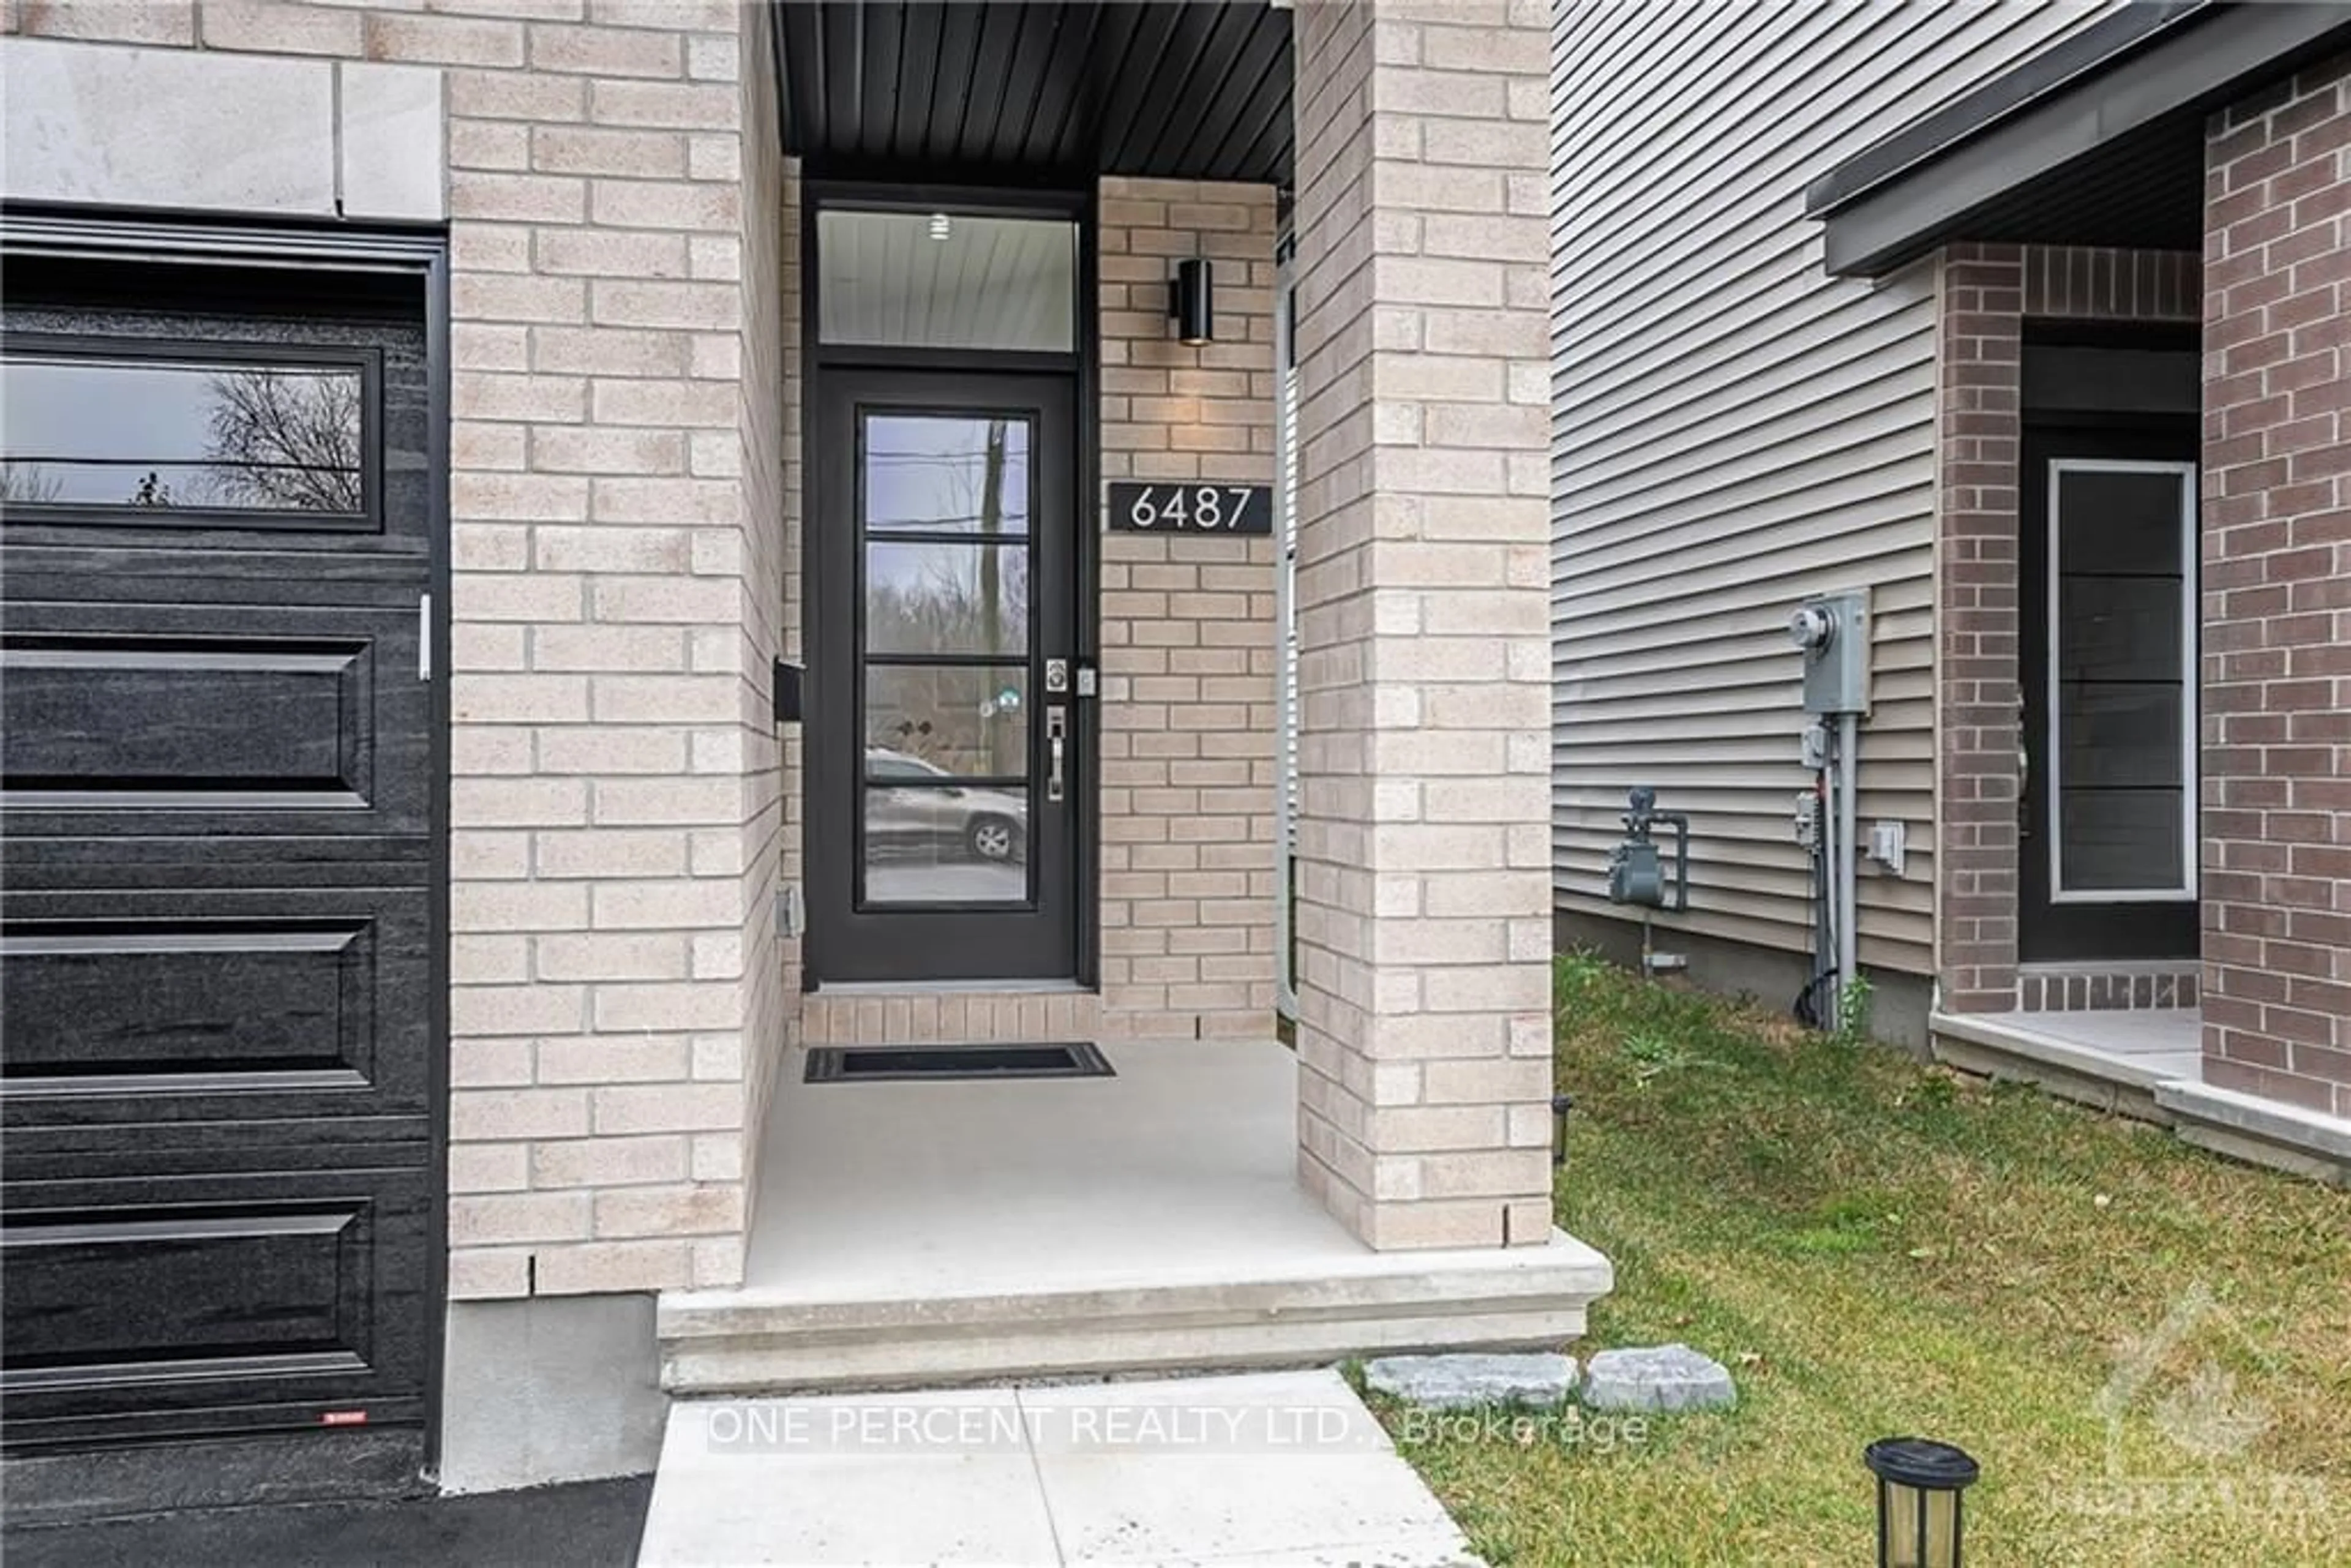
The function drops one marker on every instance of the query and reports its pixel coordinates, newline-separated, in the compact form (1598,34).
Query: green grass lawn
(1877,1248)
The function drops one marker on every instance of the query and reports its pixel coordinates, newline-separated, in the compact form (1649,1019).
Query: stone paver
(1460,1382)
(1657,1378)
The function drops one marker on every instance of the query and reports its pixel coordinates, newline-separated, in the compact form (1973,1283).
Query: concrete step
(1321,1311)
(2265,1132)
(2048,1050)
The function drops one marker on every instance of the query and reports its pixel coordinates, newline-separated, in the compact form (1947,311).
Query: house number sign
(1190,509)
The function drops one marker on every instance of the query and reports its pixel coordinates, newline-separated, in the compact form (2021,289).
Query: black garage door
(218,929)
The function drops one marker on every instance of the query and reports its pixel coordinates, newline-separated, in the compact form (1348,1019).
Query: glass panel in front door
(2121,686)
(947,630)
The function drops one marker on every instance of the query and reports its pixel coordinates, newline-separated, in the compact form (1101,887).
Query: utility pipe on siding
(1849,814)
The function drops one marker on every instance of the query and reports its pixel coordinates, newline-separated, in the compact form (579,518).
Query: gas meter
(1636,872)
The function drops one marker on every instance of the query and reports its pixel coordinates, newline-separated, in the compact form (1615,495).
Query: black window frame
(366,364)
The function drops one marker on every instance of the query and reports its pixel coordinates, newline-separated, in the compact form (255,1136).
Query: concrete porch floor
(911,1233)
(2148,1063)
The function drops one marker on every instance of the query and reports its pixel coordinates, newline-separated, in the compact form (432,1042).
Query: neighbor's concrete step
(716,1342)
(2265,1132)
(2091,1077)
(2151,1087)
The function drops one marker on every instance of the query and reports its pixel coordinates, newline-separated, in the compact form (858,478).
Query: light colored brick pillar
(1423,592)
(768,425)
(619,531)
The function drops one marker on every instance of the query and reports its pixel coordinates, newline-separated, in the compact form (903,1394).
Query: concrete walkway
(1276,1469)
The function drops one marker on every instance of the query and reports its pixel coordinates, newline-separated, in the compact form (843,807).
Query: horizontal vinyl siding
(1733,431)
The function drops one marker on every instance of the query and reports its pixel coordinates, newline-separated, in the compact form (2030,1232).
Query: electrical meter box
(1833,631)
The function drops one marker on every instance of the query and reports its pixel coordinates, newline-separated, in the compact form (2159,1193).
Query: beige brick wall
(1189,640)
(769,412)
(623,512)
(618,544)
(1423,594)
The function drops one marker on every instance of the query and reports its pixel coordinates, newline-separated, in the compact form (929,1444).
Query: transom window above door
(946,281)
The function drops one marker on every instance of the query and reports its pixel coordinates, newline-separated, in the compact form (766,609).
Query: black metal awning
(2097,139)
(1030,93)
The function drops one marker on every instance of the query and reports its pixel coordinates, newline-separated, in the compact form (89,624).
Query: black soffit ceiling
(1027,91)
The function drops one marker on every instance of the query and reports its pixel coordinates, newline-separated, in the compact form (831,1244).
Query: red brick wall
(2277,593)
(1988,291)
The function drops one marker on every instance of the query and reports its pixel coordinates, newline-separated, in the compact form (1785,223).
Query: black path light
(1918,1487)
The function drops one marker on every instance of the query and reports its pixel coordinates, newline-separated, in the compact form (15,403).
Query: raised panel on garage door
(212,719)
(250,1300)
(197,1004)
(219,934)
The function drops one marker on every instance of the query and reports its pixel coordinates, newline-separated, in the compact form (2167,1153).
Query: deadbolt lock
(1056,675)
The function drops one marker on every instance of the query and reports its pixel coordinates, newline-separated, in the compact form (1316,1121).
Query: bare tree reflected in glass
(991,593)
(284,441)
(965,596)
(28,485)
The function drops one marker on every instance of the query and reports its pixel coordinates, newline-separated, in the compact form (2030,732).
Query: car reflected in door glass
(930,840)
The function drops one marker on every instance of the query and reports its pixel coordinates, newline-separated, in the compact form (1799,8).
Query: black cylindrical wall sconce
(1192,301)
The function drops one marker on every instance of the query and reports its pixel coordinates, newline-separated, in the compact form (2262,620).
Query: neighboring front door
(2108,667)
(942,816)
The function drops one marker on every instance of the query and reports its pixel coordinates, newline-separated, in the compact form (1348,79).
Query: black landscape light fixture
(1918,1487)
(1192,301)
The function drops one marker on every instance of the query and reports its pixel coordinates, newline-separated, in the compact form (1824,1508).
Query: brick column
(618,527)
(2276,868)
(1423,593)
(1979,356)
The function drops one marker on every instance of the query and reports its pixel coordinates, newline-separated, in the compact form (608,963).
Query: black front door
(2107,666)
(942,787)
(217,935)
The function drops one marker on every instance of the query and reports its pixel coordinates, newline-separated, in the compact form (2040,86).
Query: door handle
(2023,774)
(1057,729)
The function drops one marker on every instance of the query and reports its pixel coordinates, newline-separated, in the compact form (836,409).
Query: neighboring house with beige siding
(1735,430)
(2023,324)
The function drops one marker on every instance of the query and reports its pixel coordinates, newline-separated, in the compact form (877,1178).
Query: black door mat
(894,1064)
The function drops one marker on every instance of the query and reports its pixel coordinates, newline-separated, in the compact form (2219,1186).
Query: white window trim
(2190,775)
